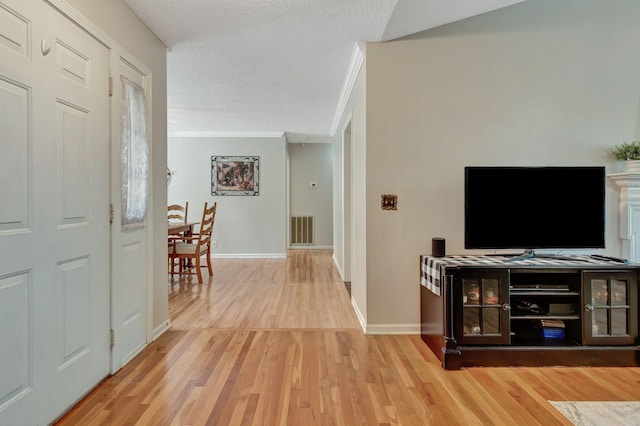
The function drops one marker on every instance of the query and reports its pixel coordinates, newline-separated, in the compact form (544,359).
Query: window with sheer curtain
(135,155)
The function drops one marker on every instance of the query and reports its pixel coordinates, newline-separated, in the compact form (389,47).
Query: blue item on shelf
(553,333)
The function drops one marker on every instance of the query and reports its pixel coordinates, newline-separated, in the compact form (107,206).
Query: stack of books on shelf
(552,328)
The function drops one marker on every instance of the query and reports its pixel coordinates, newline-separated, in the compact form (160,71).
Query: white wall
(246,226)
(313,162)
(122,25)
(538,83)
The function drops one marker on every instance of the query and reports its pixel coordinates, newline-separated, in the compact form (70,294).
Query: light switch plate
(389,202)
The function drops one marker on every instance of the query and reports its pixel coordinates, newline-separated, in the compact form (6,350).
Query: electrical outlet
(214,244)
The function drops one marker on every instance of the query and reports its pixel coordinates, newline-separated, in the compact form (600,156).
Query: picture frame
(235,175)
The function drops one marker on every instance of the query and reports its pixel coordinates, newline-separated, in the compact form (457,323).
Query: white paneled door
(129,246)
(54,213)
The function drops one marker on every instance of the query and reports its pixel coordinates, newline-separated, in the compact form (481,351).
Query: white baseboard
(338,266)
(361,319)
(250,256)
(393,329)
(161,329)
(310,247)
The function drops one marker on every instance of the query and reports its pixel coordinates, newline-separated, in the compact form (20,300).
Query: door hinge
(111,213)
(113,338)
(110,86)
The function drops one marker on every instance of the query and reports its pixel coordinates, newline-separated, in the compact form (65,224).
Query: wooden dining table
(177,228)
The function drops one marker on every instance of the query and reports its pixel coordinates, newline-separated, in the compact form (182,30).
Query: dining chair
(177,212)
(193,247)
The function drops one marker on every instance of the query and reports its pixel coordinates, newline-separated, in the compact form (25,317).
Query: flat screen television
(534,208)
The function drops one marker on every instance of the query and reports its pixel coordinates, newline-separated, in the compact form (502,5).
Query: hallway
(276,342)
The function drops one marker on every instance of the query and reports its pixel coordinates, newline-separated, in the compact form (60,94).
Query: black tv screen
(534,207)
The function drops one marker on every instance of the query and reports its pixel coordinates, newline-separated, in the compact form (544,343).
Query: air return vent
(302,232)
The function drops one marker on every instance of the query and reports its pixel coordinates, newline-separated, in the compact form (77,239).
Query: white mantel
(629,210)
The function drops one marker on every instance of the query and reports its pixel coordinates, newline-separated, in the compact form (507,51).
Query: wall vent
(302,231)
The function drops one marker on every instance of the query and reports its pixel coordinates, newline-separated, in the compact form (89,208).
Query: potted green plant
(627,151)
(630,153)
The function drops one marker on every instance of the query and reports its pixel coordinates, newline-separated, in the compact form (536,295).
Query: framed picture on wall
(235,175)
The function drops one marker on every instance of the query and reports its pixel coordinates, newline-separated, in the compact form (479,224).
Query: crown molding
(357,59)
(307,138)
(192,134)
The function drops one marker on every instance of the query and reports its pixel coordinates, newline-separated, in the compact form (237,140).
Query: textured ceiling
(255,66)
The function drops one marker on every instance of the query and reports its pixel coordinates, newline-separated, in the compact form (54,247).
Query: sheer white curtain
(135,155)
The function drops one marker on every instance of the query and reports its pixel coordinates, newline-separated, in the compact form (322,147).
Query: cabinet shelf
(543,317)
(541,341)
(543,293)
(492,305)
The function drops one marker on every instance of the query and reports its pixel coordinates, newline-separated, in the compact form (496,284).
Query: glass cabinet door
(610,308)
(482,309)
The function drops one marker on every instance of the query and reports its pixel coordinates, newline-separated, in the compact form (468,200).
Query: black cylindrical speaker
(437,247)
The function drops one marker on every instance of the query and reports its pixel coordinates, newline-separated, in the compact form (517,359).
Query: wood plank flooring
(276,342)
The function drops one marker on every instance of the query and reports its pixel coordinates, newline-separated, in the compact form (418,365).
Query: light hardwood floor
(276,342)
